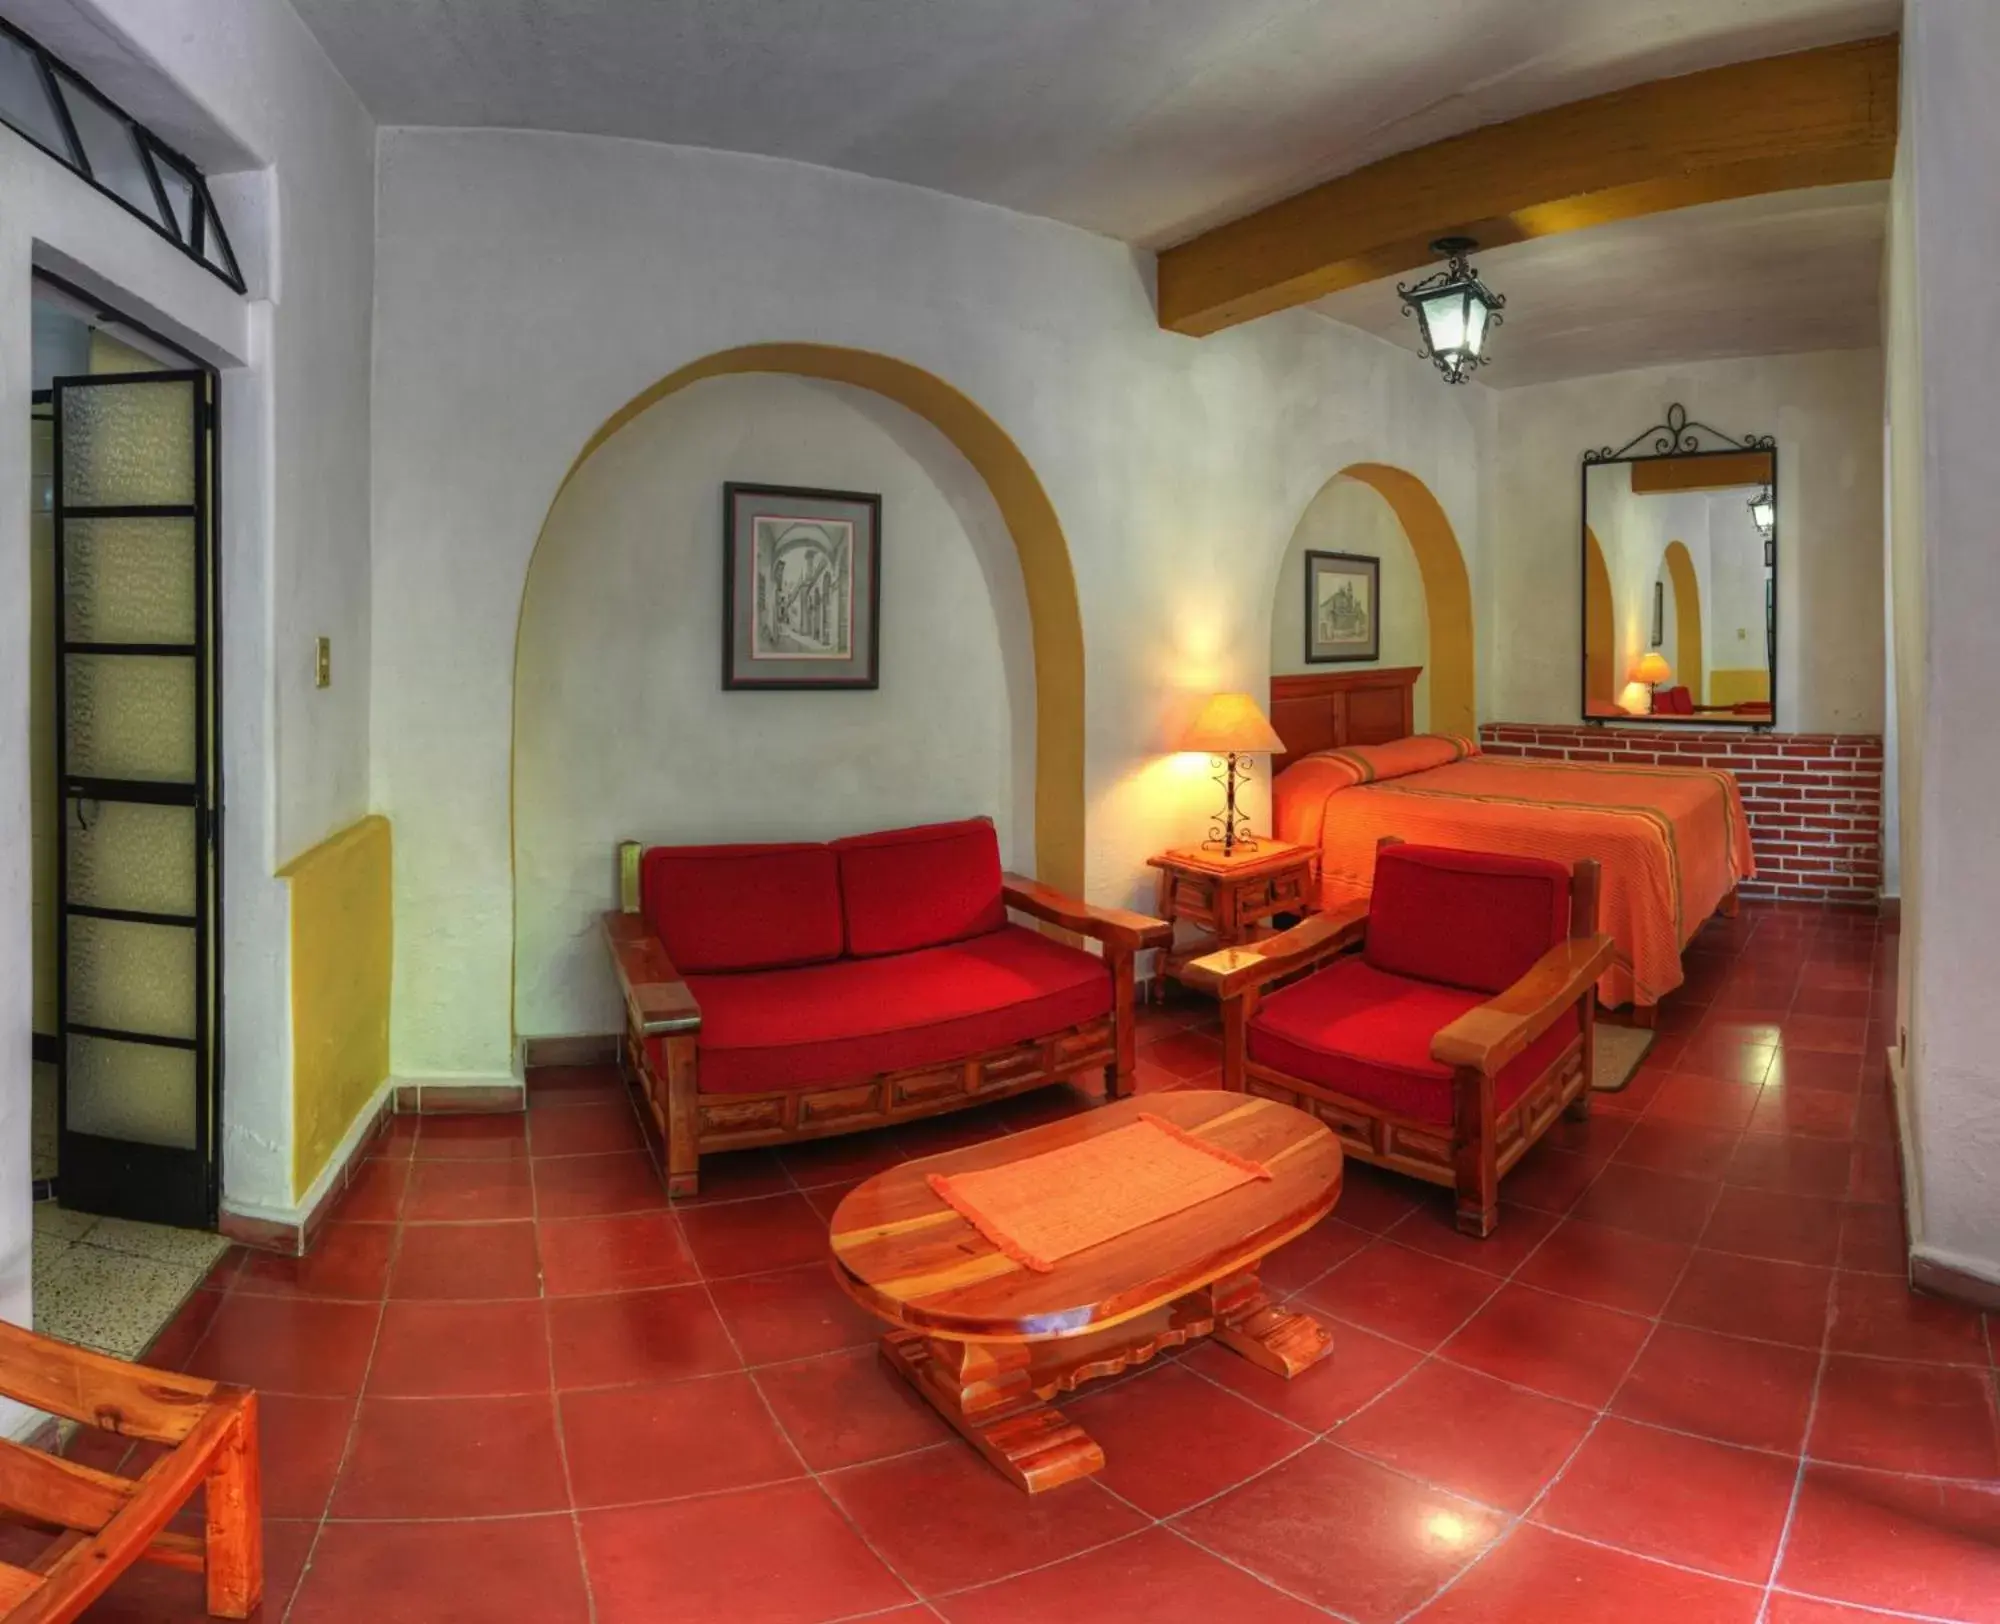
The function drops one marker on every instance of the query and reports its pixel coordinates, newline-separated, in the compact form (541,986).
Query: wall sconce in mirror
(1679,577)
(1455,311)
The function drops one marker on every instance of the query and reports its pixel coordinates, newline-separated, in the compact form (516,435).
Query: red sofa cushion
(824,1023)
(717,908)
(921,887)
(1469,919)
(1366,1034)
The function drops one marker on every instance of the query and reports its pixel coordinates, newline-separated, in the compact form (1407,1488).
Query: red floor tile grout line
(797,1185)
(832,1500)
(555,1394)
(1589,1432)
(353,1428)
(1805,1456)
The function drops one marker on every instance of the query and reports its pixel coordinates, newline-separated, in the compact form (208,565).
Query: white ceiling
(1773,275)
(1146,120)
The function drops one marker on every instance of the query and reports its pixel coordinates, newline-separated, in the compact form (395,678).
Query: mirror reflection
(1679,572)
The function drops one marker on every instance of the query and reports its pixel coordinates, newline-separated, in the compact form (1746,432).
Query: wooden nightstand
(1227,897)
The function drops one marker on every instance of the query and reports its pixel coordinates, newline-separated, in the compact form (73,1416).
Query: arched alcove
(1047,692)
(1427,594)
(1600,636)
(1690,669)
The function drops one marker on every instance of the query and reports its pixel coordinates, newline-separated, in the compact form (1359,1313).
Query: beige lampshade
(1231,722)
(1652,667)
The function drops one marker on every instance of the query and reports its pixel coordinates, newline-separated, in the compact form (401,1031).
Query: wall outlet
(323,662)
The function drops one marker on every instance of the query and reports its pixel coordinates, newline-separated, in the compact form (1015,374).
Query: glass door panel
(127,441)
(140,1092)
(129,977)
(129,857)
(136,713)
(131,716)
(130,581)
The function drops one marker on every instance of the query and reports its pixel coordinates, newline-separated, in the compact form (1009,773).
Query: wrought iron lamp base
(1229,830)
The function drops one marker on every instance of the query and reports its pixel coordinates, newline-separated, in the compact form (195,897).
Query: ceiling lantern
(1455,309)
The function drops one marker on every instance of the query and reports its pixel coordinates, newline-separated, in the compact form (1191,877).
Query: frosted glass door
(136,747)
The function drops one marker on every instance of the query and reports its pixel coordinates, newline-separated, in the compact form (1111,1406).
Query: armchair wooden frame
(102,1523)
(659,1005)
(1482,1142)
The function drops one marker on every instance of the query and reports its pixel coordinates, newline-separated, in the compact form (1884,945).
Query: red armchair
(1450,1041)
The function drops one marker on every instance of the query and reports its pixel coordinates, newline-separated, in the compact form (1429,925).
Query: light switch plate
(323,662)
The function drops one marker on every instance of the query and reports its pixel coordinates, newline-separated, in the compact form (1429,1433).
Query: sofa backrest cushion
(719,908)
(1471,919)
(922,887)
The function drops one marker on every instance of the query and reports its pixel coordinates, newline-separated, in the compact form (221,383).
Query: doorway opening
(125,822)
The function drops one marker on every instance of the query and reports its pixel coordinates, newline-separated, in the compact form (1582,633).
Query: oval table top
(907,1255)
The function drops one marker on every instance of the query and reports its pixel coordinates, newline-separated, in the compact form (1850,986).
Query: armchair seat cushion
(815,1024)
(1366,1033)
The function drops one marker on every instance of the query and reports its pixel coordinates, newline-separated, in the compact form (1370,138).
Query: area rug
(1619,1049)
(1043,1208)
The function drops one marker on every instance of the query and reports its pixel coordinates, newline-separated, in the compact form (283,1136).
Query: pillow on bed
(1300,794)
(1374,763)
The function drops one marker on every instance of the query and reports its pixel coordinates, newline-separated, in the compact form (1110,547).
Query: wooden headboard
(1328,711)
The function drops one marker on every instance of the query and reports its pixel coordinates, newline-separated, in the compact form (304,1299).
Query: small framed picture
(1659,613)
(801,588)
(1343,608)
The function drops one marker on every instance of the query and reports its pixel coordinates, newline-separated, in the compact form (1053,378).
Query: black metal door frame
(124,1178)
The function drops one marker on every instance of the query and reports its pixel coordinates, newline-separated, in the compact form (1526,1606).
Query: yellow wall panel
(342,952)
(1739,687)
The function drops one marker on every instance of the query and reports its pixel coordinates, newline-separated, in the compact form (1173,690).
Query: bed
(1672,840)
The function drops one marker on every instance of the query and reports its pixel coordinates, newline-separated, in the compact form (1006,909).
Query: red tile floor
(1683,1381)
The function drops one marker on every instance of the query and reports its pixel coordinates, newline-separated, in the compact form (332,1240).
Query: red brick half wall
(1814,800)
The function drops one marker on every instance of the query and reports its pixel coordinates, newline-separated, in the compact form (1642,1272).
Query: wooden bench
(102,1523)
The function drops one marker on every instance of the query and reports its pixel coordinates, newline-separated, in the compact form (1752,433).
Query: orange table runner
(1043,1208)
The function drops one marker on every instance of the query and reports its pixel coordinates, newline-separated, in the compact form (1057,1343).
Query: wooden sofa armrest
(1485,1038)
(1114,927)
(1232,971)
(658,1001)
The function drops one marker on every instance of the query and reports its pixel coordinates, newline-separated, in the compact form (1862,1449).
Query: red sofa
(783,992)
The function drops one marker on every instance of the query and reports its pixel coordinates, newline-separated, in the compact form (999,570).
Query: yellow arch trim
(1600,633)
(1687,621)
(1057,623)
(1447,591)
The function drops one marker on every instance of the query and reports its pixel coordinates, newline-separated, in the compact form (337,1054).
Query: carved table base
(996,1394)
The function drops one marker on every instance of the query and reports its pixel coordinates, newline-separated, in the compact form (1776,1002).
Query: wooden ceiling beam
(1815,118)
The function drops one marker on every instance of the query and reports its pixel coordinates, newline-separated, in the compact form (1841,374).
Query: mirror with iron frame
(1679,557)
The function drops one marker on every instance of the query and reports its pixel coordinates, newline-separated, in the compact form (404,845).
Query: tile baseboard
(292,1235)
(460,1099)
(579,1049)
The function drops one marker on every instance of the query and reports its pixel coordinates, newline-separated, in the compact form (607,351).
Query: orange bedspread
(1672,840)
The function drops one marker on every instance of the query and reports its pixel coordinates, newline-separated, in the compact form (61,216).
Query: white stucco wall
(264,77)
(294,535)
(1179,468)
(1944,330)
(47,215)
(1634,532)
(624,729)
(1350,517)
(1826,411)
(1732,602)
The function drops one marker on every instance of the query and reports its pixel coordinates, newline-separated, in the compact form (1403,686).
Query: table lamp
(1229,727)
(1652,670)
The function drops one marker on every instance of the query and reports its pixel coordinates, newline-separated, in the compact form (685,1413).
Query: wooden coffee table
(990,1342)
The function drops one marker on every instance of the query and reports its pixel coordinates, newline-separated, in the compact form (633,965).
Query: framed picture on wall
(801,587)
(1659,613)
(1343,608)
